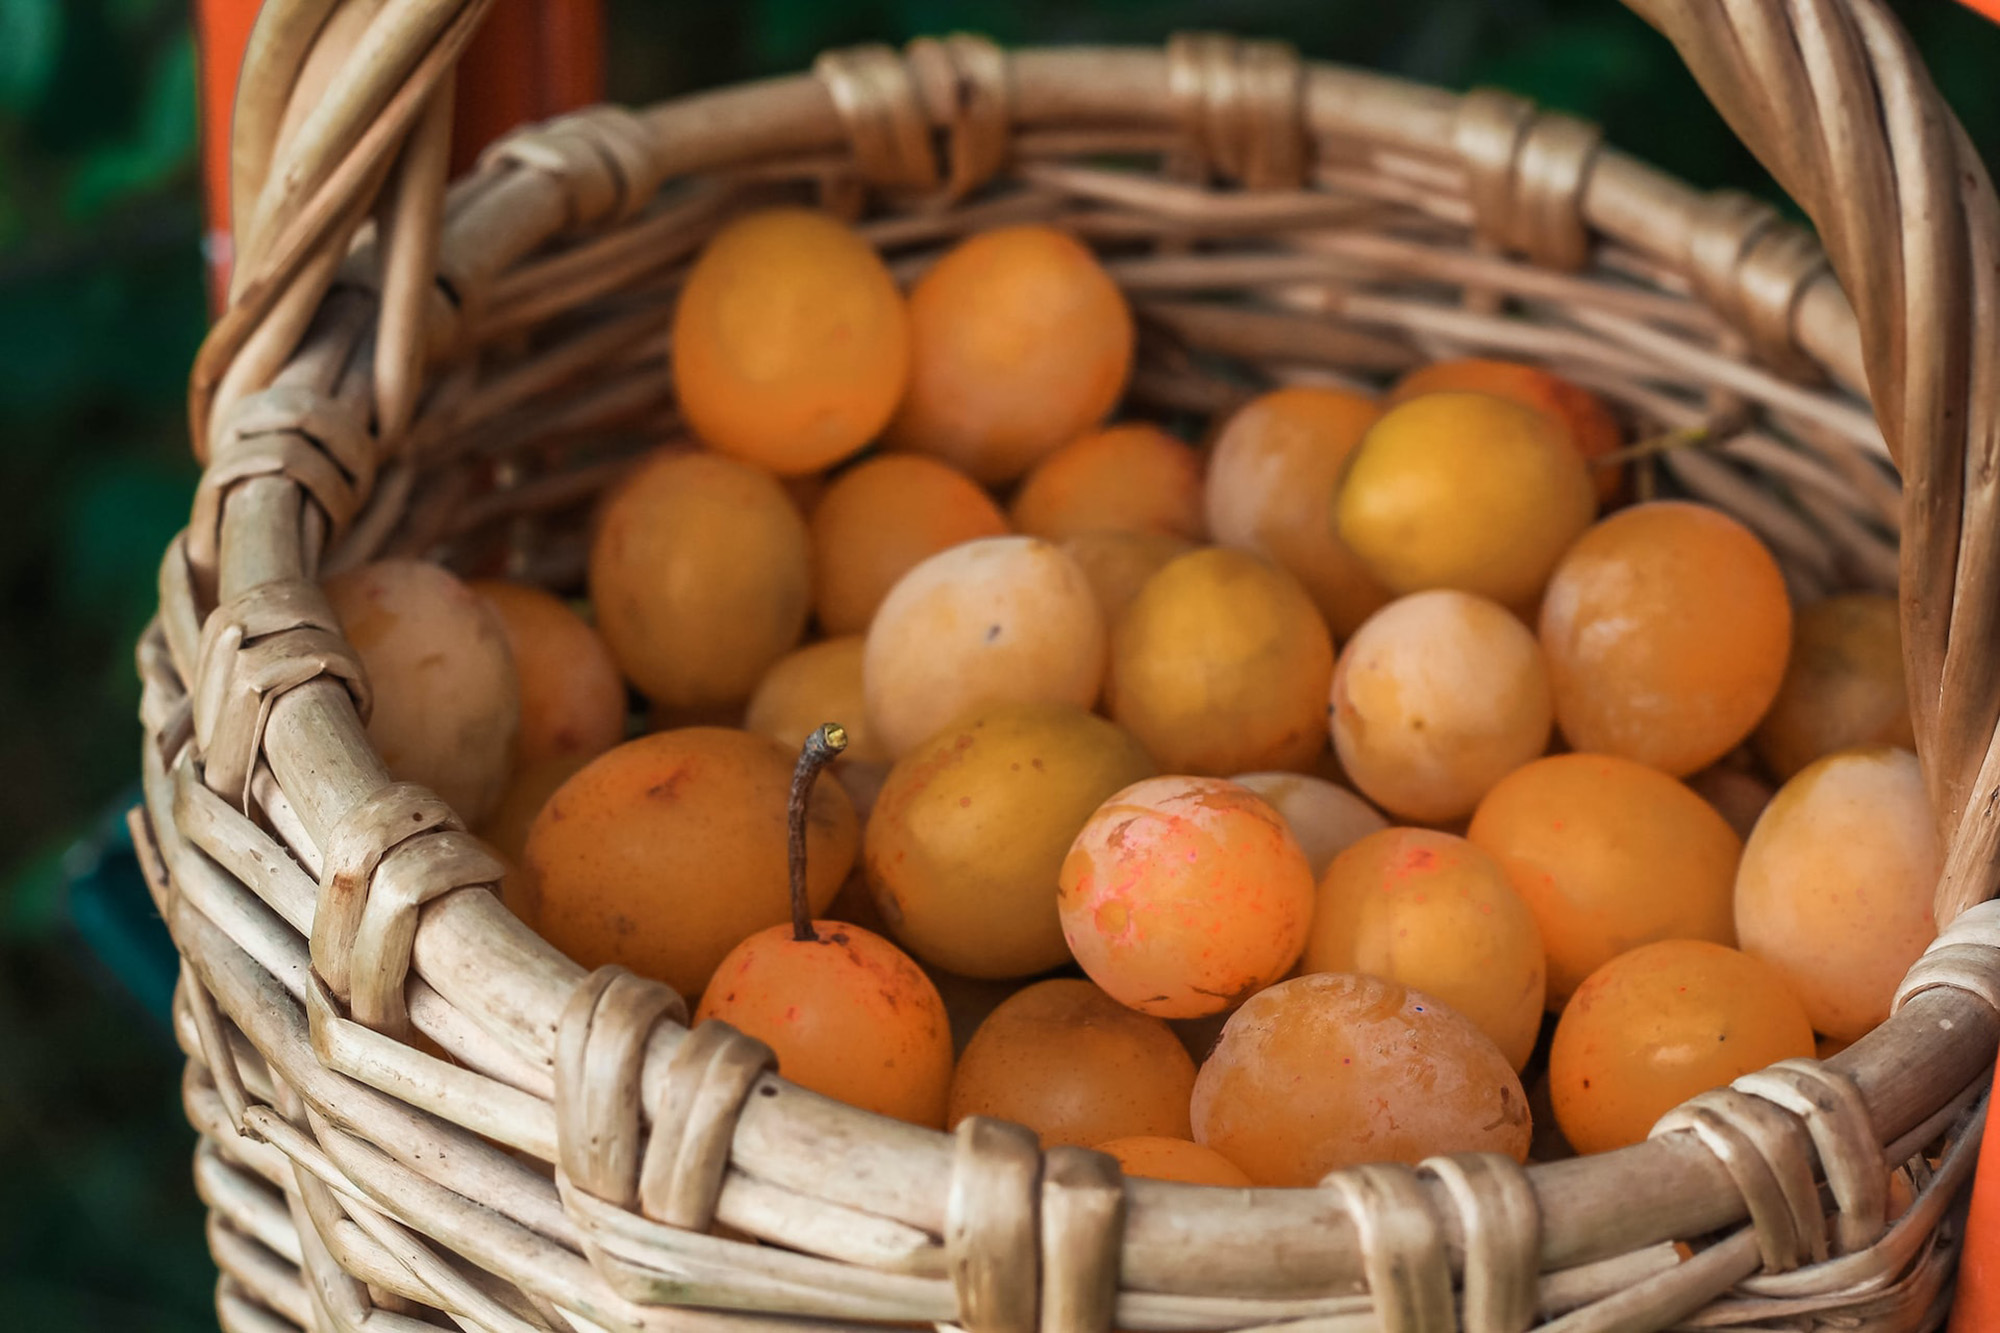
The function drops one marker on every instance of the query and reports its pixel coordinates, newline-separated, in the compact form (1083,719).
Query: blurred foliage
(101,308)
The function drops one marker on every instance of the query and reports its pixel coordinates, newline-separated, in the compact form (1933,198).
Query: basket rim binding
(381,881)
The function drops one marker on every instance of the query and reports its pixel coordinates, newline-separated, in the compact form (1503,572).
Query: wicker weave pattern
(409,1103)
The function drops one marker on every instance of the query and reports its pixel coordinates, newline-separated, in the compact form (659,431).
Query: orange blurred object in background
(532,59)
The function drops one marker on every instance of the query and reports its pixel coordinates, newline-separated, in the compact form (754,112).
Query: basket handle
(1833,99)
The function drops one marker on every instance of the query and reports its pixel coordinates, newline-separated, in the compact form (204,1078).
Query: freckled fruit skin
(661,854)
(1836,886)
(1608,854)
(1437,697)
(1666,630)
(809,687)
(1325,817)
(1181,1160)
(1272,478)
(1466,491)
(1435,913)
(1843,685)
(1222,664)
(1020,342)
(791,343)
(572,700)
(1184,894)
(882,518)
(967,839)
(1132,477)
(1000,620)
(699,576)
(1332,1070)
(848,1014)
(1653,1027)
(1070,1063)
(447,701)
(1591,428)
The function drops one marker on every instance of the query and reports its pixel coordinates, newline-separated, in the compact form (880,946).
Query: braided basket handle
(1833,99)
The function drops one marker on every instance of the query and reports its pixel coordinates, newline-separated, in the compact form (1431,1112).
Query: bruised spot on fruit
(669,787)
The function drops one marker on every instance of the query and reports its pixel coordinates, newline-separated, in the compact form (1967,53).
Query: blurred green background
(101,308)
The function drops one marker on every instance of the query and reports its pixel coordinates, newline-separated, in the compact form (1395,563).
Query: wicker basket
(412,1110)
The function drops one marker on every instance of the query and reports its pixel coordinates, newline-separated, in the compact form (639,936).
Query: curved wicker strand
(1907,213)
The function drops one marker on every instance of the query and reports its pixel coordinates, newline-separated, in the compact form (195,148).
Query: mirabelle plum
(1835,890)
(1666,629)
(1331,1070)
(699,575)
(1437,697)
(1435,913)
(1466,491)
(572,700)
(1184,894)
(1843,686)
(967,839)
(1117,564)
(1584,418)
(1221,664)
(1653,1027)
(816,684)
(1272,477)
(661,854)
(791,344)
(1324,816)
(1737,796)
(1020,343)
(1608,854)
(881,519)
(847,1013)
(1072,1064)
(447,701)
(1183,1160)
(1127,478)
(999,620)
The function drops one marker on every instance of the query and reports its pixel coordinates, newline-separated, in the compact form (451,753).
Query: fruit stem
(820,749)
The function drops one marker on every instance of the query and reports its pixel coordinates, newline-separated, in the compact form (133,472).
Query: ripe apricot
(1331,1070)
(1437,697)
(1020,342)
(1324,816)
(847,1013)
(791,344)
(447,701)
(881,519)
(1132,477)
(1221,665)
(1466,491)
(1836,886)
(1666,630)
(1653,1027)
(661,854)
(1182,895)
(1117,565)
(999,620)
(572,700)
(1070,1063)
(809,686)
(700,578)
(1183,1160)
(967,839)
(1435,913)
(1843,684)
(1272,478)
(1608,854)
(1581,414)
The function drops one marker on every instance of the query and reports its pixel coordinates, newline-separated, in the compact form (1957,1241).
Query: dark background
(101,308)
